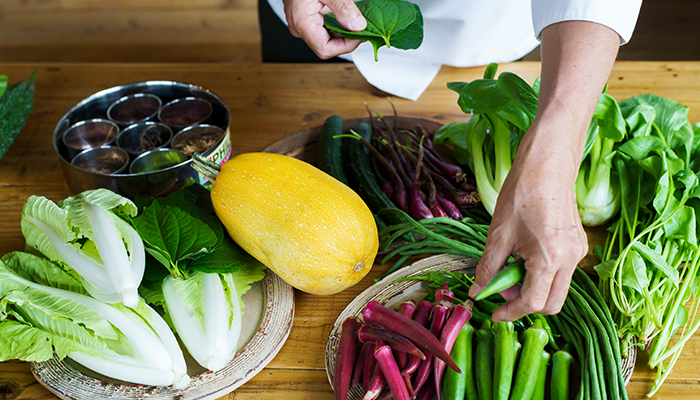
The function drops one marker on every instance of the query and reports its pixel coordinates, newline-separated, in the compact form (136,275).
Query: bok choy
(44,309)
(196,273)
(502,110)
(86,233)
(597,191)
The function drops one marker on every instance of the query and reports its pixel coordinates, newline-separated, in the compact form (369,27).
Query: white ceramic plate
(391,295)
(267,321)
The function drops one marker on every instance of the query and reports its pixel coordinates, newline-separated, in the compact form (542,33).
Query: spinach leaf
(395,23)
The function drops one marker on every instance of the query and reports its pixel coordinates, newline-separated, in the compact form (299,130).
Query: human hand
(536,218)
(305,20)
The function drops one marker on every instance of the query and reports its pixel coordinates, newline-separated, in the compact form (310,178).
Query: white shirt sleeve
(618,15)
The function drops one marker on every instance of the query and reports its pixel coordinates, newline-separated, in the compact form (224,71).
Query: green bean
(610,359)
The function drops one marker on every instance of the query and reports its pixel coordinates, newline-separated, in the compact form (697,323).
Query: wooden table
(267,103)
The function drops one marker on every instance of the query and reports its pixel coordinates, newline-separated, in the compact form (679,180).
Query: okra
(456,386)
(373,333)
(407,308)
(440,313)
(541,384)
(360,364)
(459,317)
(421,317)
(561,367)
(507,277)
(345,358)
(375,313)
(376,383)
(386,361)
(504,359)
(484,361)
(370,365)
(535,339)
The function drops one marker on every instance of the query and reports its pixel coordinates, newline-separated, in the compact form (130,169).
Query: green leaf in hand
(395,23)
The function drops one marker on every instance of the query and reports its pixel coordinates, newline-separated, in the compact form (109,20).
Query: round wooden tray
(273,323)
(302,144)
(392,294)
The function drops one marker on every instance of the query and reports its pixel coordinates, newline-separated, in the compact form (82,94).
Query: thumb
(347,13)
(494,257)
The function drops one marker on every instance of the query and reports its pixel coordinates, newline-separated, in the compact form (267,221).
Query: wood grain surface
(228,31)
(269,102)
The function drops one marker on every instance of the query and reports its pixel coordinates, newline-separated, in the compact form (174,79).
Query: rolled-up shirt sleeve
(618,15)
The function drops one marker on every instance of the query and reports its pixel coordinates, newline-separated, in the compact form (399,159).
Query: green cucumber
(330,149)
(362,180)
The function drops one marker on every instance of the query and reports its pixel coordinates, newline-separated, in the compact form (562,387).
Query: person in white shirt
(536,217)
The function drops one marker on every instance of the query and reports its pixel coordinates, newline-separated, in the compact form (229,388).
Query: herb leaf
(395,23)
(173,235)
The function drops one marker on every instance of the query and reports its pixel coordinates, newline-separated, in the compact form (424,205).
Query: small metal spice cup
(196,139)
(144,136)
(184,112)
(88,134)
(134,108)
(156,160)
(105,160)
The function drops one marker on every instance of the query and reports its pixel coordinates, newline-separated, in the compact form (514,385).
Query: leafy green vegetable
(15,106)
(44,309)
(3,84)
(502,110)
(173,236)
(651,259)
(597,191)
(182,232)
(396,23)
(86,234)
(196,273)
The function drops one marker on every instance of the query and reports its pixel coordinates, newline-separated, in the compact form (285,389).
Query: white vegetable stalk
(113,280)
(213,339)
(157,359)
